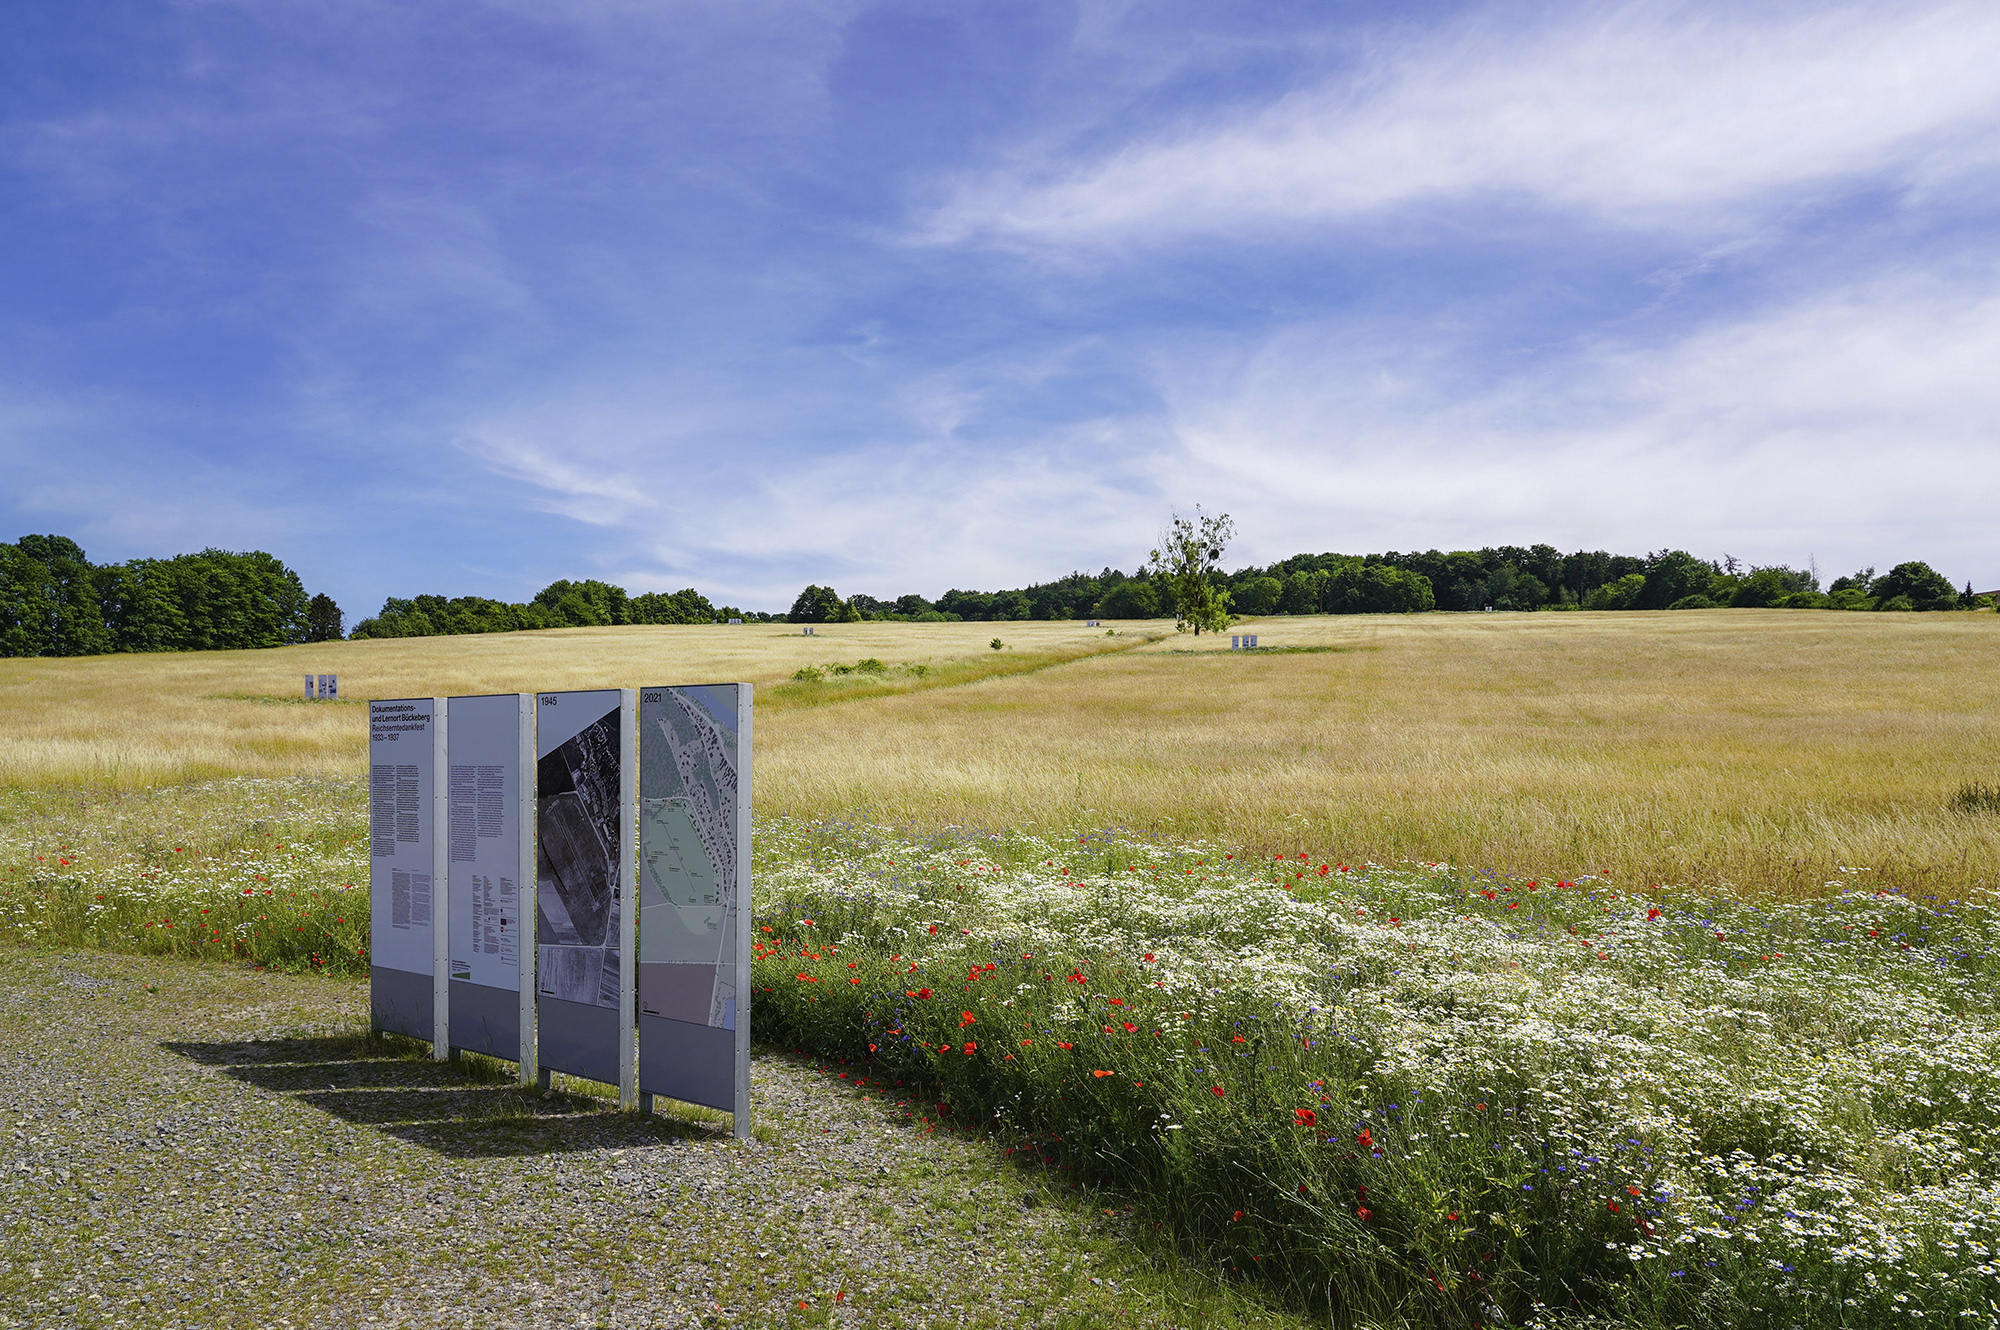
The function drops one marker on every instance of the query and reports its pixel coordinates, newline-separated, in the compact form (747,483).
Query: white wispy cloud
(1860,424)
(1651,115)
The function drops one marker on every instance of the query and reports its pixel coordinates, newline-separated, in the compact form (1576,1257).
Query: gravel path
(195,1145)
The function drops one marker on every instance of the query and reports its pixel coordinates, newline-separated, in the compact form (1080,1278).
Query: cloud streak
(1645,116)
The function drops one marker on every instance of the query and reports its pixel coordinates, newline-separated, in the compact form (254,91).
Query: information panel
(405,752)
(583,813)
(694,876)
(491,751)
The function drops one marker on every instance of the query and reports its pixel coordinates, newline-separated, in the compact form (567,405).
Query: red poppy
(923,992)
(1218,1091)
(966,1018)
(1367,1141)
(970,1049)
(1060,1044)
(1100,1075)
(1305,1117)
(1131,1028)
(1612,1206)
(1235,1217)
(1364,1213)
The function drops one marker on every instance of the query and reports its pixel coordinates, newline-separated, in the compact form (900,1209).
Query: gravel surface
(199,1145)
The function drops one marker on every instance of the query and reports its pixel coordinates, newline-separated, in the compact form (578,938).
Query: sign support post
(440,889)
(524,874)
(744,988)
(628,891)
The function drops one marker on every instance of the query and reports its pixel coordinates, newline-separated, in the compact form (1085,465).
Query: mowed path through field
(1764,750)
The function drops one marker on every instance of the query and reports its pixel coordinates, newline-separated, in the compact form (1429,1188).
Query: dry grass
(1759,750)
(1762,750)
(133,721)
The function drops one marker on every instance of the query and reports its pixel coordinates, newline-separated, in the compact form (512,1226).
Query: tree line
(1503,577)
(563,604)
(55,602)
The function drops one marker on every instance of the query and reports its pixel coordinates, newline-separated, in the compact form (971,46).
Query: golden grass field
(1754,749)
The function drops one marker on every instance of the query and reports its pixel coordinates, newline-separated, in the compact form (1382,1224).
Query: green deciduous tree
(1259,595)
(1187,561)
(1672,575)
(1918,584)
(816,604)
(1374,588)
(1136,598)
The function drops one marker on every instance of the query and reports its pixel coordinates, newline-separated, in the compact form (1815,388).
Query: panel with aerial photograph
(580,821)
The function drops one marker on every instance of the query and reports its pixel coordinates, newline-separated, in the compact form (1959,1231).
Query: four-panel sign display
(556,880)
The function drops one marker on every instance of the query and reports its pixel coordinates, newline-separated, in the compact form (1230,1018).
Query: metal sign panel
(491,754)
(583,813)
(694,880)
(406,739)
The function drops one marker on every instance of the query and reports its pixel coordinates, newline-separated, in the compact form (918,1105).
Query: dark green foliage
(684,606)
(430,616)
(816,604)
(49,602)
(1508,588)
(1673,575)
(1694,602)
(971,605)
(1137,598)
(324,621)
(1777,587)
(562,604)
(586,604)
(1918,584)
(1259,595)
(54,602)
(1302,591)
(1617,595)
(1373,588)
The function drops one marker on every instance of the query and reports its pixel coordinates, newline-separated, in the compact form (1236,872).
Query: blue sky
(465,297)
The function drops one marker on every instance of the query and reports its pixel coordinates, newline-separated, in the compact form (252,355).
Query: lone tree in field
(1190,554)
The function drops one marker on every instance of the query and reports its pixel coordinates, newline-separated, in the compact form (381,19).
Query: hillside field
(1454,1060)
(1758,751)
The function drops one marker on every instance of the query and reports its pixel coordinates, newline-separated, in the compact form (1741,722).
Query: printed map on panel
(688,763)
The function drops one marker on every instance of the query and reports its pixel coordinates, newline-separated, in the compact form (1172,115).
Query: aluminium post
(628,898)
(440,811)
(744,712)
(526,905)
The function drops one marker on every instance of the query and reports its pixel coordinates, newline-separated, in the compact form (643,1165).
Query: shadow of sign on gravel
(436,1105)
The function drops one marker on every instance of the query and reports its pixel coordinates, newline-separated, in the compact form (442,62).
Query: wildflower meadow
(1413,1093)
(272,871)
(1392,1094)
